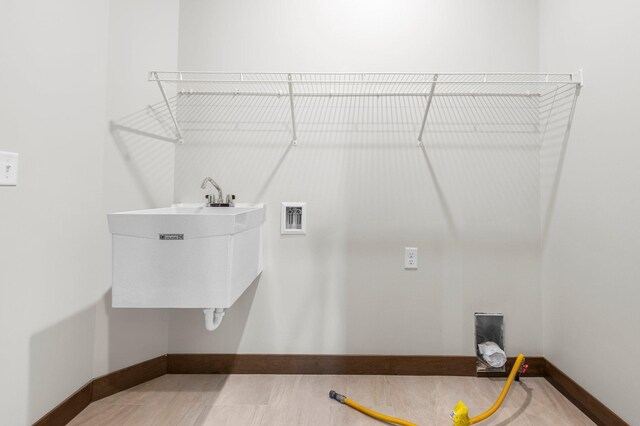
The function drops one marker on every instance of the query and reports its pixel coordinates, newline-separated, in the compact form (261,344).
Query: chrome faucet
(211,198)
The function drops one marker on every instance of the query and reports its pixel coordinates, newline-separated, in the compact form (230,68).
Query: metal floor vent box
(489,328)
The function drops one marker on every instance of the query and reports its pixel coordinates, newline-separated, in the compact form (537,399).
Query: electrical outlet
(410,258)
(8,168)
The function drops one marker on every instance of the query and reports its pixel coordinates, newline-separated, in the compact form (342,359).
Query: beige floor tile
(307,389)
(227,415)
(199,388)
(246,389)
(303,414)
(284,400)
(104,414)
(366,390)
(171,414)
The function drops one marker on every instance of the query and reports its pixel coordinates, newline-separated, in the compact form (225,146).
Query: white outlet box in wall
(410,258)
(294,218)
(8,168)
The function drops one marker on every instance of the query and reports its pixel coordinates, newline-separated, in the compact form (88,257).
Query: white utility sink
(191,220)
(185,256)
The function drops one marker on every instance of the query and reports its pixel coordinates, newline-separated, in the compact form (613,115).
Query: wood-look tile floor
(253,400)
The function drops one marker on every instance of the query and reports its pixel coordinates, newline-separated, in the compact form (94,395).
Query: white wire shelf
(365,84)
(423,103)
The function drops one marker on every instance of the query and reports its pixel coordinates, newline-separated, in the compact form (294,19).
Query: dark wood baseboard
(587,403)
(334,364)
(126,378)
(102,387)
(69,408)
(319,364)
(535,367)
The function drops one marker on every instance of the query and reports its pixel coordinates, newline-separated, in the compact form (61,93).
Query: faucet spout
(215,185)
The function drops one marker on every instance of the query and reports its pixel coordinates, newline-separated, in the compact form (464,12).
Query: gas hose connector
(523,369)
(338,397)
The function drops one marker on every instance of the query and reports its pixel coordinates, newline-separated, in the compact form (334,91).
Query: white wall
(379,35)
(58,90)
(590,271)
(138,172)
(473,211)
(53,87)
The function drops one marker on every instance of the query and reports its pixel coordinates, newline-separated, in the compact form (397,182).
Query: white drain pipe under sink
(213,317)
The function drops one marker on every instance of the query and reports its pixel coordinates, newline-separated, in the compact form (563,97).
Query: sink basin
(190,220)
(186,255)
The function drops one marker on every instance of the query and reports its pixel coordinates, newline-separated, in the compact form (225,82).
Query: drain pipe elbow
(213,318)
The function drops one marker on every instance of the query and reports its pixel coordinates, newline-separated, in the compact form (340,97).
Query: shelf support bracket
(173,117)
(293,114)
(158,118)
(563,152)
(115,127)
(426,110)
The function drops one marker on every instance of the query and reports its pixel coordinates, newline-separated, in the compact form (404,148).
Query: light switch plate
(8,168)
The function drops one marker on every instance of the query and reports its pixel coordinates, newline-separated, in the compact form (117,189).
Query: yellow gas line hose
(346,401)
(503,394)
(460,414)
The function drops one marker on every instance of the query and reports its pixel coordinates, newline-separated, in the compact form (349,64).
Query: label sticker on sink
(171,236)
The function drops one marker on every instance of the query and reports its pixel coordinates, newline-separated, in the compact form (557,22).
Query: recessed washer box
(489,327)
(293,218)
(185,256)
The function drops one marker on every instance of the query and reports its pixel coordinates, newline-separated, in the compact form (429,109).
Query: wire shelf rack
(364,84)
(423,104)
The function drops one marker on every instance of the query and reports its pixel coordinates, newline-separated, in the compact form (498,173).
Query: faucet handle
(230,199)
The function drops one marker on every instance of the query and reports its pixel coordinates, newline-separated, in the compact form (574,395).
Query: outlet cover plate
(8,168)
(410,258)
